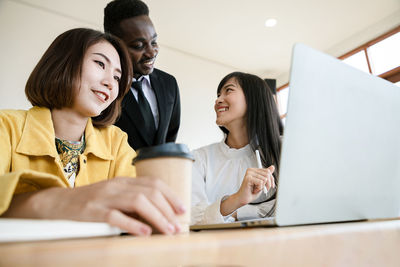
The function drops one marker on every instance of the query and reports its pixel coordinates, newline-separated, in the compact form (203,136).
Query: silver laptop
(340,157)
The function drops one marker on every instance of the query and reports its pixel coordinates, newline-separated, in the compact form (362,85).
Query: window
(380,57)
(282,99)
(358,60)
(385,55)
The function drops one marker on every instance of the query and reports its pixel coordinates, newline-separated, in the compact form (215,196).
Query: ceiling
(232,32)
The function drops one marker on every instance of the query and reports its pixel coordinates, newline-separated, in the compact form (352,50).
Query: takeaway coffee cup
(171,163)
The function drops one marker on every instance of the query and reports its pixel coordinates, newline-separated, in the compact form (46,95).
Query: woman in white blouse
(227,185)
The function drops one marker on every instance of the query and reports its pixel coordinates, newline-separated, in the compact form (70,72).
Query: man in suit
(151,110)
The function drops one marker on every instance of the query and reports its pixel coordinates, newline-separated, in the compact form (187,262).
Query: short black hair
(118,10)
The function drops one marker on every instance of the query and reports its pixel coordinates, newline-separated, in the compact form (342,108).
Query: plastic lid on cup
(163,150)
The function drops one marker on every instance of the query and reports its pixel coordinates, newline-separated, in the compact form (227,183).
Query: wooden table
(374,243)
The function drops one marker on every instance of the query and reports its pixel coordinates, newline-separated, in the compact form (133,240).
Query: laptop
(340,157)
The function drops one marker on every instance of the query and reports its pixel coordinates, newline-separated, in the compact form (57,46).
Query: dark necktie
(145,109)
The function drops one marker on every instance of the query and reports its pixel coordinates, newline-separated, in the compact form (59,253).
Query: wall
(27,31)
(198,80)
(358,39)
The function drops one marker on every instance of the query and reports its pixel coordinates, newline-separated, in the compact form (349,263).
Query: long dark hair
(262,118)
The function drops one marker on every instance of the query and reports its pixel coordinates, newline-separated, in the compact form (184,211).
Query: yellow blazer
(29,160)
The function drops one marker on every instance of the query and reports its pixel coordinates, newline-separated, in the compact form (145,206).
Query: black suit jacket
(169,108)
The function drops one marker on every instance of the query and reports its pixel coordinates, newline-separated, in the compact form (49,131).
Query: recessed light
(270,23)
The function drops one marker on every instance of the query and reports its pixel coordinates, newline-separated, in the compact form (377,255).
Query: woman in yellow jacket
(57,159)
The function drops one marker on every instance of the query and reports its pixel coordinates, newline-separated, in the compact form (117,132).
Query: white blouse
(218,171)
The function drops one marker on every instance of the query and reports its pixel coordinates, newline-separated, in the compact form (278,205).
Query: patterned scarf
(69,152)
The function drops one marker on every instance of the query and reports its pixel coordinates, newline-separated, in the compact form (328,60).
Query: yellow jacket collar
(38,137)
(95,144)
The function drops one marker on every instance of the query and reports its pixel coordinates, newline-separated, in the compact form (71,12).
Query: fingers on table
(151,212)
(149,199)
(159,201)
(157,184)
(125,222)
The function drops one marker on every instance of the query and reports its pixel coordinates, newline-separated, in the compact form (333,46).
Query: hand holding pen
(270,168)
(254,181)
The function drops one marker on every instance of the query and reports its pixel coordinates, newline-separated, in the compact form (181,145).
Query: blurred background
(202,41)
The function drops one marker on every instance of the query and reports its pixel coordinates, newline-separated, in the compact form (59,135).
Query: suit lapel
(159,91)
(131,108)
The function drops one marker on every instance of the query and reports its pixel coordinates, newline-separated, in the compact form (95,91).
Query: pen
(259,165)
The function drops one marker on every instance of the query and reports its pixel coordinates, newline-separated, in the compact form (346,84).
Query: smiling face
(139,35)
(101,72)
(231,106)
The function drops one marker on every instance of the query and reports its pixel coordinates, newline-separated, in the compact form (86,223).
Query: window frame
(392,75)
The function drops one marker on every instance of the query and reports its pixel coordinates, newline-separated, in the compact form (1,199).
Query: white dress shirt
(150,96)
(218,171)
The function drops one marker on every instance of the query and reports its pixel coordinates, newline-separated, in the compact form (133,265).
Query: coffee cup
(171,163)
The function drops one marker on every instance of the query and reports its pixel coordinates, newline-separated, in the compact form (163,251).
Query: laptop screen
(341,146)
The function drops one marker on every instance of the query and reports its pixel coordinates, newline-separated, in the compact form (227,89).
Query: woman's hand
(131,204)
(253,183)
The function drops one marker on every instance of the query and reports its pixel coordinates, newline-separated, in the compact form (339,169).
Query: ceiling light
(270,23)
